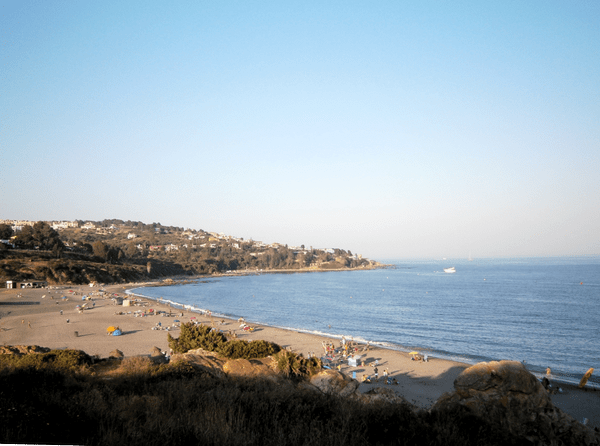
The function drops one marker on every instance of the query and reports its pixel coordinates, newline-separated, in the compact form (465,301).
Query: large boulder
(157,356)
(509,397)
(201,360)
(333,382)
(116,354)
(255,368)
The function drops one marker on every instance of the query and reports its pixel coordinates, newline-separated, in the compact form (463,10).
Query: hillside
(117,251)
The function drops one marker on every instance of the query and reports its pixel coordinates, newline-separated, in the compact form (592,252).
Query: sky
(394,129)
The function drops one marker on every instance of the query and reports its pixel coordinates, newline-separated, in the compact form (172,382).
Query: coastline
(35,319)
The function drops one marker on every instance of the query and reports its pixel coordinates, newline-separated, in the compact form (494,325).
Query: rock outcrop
(157,356)
(333,382)
(251,368)
(202,360)
(116,354)
(509,397)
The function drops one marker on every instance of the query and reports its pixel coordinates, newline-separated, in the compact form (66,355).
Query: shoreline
(35,319)
(562,379)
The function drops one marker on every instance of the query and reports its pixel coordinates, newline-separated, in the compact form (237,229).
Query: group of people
(386,377)
(345,350)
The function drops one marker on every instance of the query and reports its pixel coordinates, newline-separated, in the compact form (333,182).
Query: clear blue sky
(393,129)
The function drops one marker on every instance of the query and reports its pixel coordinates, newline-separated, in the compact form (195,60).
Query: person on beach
(376,373)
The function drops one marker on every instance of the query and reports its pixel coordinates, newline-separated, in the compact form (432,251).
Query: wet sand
(35,319)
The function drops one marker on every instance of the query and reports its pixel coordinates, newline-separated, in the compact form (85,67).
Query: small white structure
(29,284)
(353,361)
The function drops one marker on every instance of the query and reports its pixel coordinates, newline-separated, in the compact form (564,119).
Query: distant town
(81,251)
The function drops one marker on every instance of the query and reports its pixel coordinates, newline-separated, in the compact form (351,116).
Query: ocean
(543,311)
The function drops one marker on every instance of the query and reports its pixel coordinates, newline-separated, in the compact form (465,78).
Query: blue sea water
(544,311)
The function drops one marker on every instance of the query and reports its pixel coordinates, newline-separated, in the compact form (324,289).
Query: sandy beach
(33,317)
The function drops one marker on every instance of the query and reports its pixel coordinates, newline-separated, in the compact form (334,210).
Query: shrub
(294,365)
(196,336)
(64,360)
(136,365)
(248,350)
(202,336)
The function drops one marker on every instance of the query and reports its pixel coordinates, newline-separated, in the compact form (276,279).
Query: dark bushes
(294,365)
(46,405)
(61,360)
(195,336)
(239,349)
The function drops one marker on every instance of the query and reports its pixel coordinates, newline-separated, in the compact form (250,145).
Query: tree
(25,238)
(40,235)
(131,250)
(100,249)
(46,236)
(6,232)
(57,251)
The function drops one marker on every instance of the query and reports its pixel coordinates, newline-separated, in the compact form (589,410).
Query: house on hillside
(26,284)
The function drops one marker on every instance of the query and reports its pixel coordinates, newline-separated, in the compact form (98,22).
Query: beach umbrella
(111,329)
(413,353)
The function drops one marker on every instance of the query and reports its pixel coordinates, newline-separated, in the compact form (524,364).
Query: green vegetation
(294,366)
(194,336)
(62,360)
(145,404)
(238,349)
(40,236)
(122,251)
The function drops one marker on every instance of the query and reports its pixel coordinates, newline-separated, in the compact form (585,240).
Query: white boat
(450,270)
